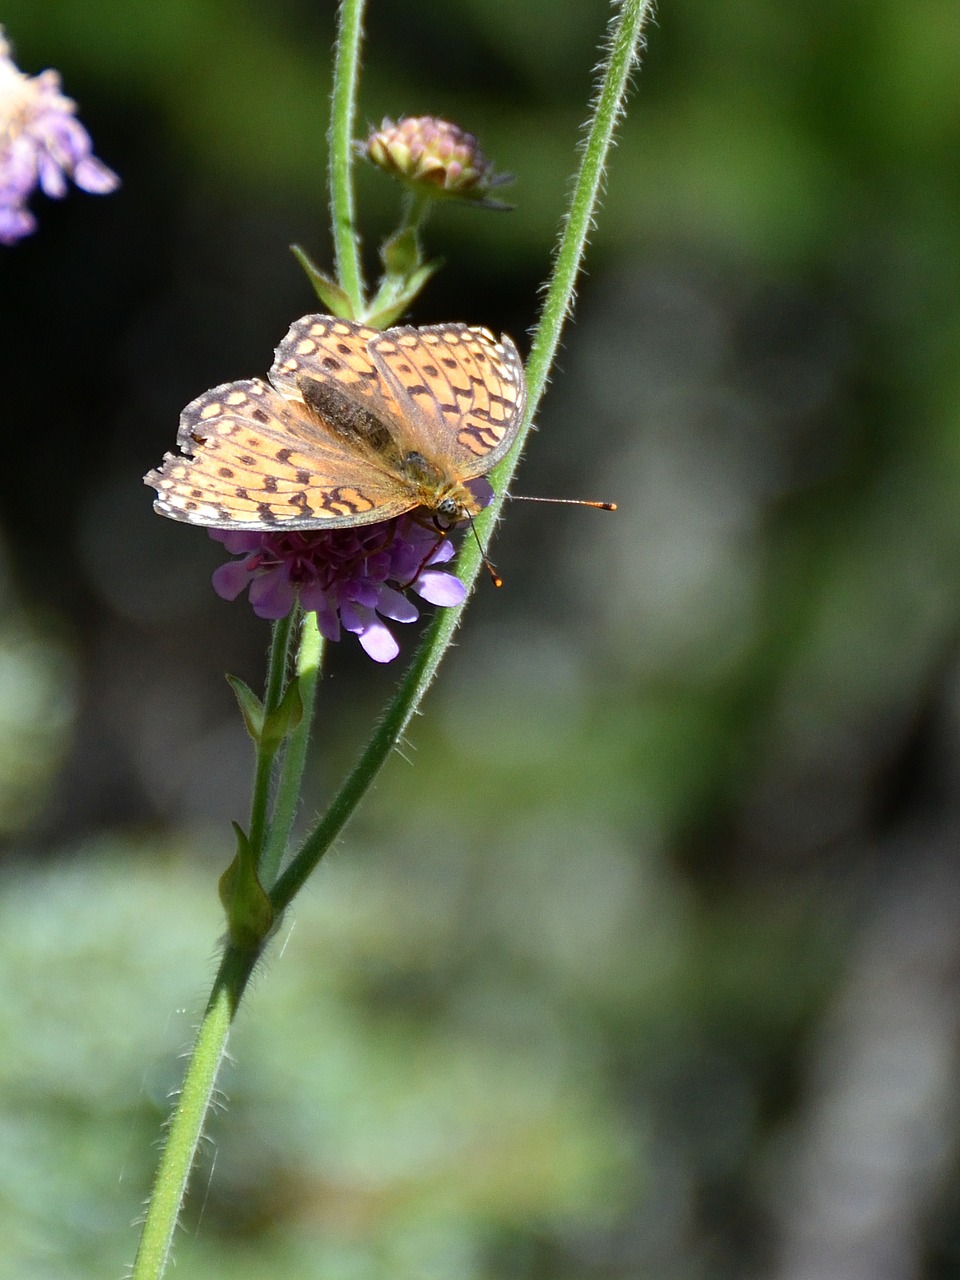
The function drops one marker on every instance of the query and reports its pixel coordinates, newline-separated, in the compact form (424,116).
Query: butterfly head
(448,500)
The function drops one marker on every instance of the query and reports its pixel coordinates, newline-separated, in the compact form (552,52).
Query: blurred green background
(643,958)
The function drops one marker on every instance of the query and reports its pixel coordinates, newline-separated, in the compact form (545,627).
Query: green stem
(309,657)
(186,1123)
(608,105)
(416,206)
(266,753)
(343,108)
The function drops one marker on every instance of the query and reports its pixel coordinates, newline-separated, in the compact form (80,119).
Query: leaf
(328,291)
(395,297)
(251,708)
(280,723)
(249,910)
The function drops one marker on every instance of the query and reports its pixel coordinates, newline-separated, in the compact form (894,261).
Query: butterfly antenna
(521,497)
(494,576)
(564,502)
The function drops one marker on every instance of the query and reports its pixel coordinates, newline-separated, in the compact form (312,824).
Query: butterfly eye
(449,512)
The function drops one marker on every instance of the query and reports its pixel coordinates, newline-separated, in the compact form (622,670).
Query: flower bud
(435,158)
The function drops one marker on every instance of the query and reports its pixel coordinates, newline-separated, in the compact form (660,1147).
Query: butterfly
(354,426)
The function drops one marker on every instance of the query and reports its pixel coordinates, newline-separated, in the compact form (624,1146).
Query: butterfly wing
(253,460)
(336,354)
(325,445)
(450,392)
(461,390)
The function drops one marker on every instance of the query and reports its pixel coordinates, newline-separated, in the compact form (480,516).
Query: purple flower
(42,144)
(350,578)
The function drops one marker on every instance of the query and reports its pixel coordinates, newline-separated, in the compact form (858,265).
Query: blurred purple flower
(42,144)
(351,578)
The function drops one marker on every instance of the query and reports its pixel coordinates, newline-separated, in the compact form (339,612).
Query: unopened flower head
(42,144)
(352,579)
(434,158)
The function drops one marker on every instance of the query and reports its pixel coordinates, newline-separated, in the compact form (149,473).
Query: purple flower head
(350,578)
(42,144)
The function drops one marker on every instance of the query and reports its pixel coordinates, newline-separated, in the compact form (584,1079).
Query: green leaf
(251,708)
(401,254)
(282,722)
(335,299)
(396,297)
(249,910)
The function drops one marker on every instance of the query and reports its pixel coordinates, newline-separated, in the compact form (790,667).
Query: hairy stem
(276,674)
(309,657)
(343,110)
(186,1123)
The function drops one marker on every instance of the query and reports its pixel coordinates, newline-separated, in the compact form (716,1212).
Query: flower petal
(445,551)
(238,542)
(272,595)
(328,623)
(315,599)
(482,490)
(53,180)
(440,588)
(355,617)
(15,223)
(378,642)
(394,605)
(364,593)
(93,175)
(231,579)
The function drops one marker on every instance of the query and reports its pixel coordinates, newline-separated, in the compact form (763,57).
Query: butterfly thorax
(446,498)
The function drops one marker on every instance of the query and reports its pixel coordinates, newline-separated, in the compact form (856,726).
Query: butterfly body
(355,425)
